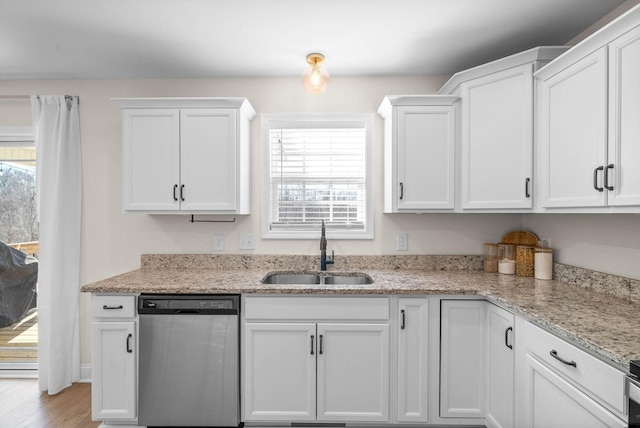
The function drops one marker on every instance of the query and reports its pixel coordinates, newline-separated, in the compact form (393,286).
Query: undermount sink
(328,278)
(291,278)
(359,279)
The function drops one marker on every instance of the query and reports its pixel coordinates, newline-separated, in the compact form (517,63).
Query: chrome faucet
(323,251)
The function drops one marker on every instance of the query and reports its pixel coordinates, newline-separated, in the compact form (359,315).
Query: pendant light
(315,78)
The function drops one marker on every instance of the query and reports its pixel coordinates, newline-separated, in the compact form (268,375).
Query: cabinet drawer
(598,379)
(113,306)
(316,308)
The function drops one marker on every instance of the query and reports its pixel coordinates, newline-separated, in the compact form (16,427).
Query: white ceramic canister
(543,266)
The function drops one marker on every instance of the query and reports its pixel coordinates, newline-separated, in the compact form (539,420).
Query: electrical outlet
(247,242)
(402,242)
(218,242)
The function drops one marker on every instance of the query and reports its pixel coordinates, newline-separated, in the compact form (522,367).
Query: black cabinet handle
(506,337)
(105,307)
(313,339)
(527,194)
(320,346)
(555,355)
(401,191)
(175,187)
(182,193)
(606,176)
(595,179)
(402,325)
(129,350)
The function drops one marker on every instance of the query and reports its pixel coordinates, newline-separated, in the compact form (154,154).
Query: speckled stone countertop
(605,323)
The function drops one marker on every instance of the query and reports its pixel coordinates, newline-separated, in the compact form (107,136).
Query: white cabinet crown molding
(600,38)
(542,53)
(188,102)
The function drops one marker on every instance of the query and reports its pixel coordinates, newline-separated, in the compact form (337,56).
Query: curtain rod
(28,97)
(17,97)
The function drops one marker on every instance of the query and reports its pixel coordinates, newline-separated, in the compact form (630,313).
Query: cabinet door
(500,367)
(353,372)
(553,402)
(426,140)
(208,159)
(114,377)
(572,122)
(462,358)
(497,140)
(624,126)
(280,372)
(413,379)
(151,159)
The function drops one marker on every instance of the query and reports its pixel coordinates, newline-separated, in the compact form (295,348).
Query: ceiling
(81,39)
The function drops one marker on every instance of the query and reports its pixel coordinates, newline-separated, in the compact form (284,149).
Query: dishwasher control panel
(189,304)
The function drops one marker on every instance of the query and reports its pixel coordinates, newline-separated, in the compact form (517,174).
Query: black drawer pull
(506,337)
(107,308)
(555,355)
(527,193)
(129,350)
(313,339)
(402,326)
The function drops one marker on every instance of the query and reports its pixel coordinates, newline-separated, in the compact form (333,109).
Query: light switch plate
(247,242)
(218,242)
(402,243)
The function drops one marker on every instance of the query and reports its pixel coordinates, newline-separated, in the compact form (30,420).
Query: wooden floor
(19,342)
(24,406)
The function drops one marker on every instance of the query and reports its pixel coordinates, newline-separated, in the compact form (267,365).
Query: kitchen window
(317,167)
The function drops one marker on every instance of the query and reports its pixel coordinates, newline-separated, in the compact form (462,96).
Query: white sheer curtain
(59,175)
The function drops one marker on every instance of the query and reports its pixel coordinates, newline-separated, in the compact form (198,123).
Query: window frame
(276,120)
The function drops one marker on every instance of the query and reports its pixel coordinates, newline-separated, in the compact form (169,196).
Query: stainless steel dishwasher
(189,360)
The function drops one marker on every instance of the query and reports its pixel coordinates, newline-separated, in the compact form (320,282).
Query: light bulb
(315,78)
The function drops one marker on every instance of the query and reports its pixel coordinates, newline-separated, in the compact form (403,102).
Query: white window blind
(318,171)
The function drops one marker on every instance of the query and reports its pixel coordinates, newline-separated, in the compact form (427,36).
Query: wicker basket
(520,237)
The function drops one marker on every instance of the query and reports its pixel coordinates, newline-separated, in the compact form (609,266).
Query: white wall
(112,242)
(602,242)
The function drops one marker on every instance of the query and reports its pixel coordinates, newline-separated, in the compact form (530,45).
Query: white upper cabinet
(588,135)
(419,153)
(496,151)
(497,140)
(186,155)
(572,124)
(624,127)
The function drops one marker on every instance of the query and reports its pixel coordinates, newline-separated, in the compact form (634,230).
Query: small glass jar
(525,255)
(490,257)
(543,263)
(507,259)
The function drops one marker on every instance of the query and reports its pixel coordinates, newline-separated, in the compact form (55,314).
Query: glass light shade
(315,79)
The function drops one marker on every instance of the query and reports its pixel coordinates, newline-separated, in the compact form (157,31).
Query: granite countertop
(602,323)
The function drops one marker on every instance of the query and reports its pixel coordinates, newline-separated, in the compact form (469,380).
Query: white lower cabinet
(332,368)
(353,372)
(500,367)
(462,358)
(114,376)
(553,402)
(566,387)
(280,371)
(413,367)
